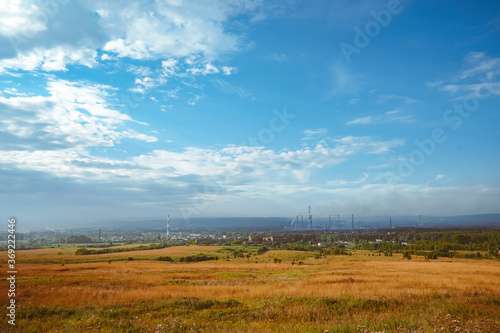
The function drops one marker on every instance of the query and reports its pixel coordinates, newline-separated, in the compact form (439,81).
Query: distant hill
(282,223)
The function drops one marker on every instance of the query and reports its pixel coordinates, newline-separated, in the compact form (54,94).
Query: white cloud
(193,100)
(451,88)
(361,121)
(137,50)
(376,147)
(206,69)
(277,57)
(395,116)
(382,99)
(229,88)
(363,199)
(106,56)
(137,30)
(141,71)
(49,60)
(226,70)
(21,17)
(479,74)
(13,91)
(432,84)
(353,101)
(314,134)
(169,66)
(343,183)
(379,166)
(237,165)
(147,84)
(172,29)
(388,117)
(75,114)
(477,63)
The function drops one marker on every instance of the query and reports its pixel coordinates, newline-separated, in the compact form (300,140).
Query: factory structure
(335,223)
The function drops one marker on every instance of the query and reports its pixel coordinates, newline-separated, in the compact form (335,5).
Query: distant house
(250,241)
(274,239)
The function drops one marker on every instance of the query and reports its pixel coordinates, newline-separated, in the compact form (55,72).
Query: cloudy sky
(123,109)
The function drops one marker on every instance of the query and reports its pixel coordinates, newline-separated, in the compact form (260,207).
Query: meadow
(275,291)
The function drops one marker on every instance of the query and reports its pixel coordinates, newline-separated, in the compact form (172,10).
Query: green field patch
(202,304)
(39,279)
(239,275)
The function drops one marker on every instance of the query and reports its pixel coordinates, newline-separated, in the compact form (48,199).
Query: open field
(59,291)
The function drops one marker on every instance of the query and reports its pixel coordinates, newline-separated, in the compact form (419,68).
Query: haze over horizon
(248,108)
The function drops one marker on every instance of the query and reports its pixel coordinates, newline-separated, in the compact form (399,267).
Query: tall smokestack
(310,218)
(352,228)
(168,227)
(99,234)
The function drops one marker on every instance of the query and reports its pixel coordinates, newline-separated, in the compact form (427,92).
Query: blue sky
(114,110)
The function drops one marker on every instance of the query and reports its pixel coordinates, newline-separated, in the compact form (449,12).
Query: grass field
(59,291)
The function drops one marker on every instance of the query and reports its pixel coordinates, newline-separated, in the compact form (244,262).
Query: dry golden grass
(339,293)
(355,276)
(67,254)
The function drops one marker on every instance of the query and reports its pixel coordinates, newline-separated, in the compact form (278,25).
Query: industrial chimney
(168,227)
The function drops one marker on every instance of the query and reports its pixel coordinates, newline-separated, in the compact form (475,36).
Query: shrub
(82,251)
(197,258)
(262,250)
(431,255)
